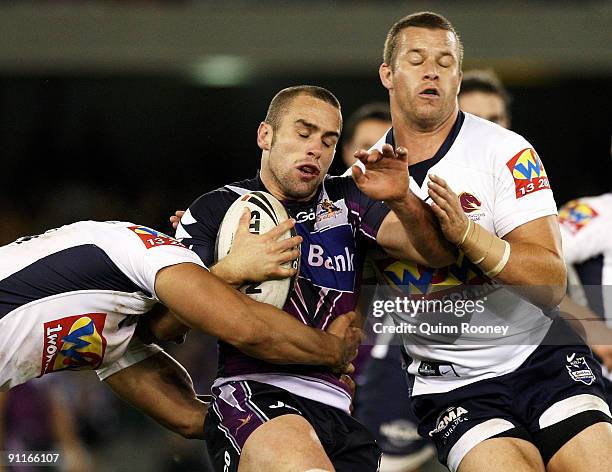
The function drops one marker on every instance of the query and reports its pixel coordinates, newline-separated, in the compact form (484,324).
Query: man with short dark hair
(267,417)
(363,128)
(483,94)
(520,401)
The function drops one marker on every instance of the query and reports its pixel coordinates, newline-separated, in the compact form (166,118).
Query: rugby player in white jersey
(71,298)
(585,227)
(531,406)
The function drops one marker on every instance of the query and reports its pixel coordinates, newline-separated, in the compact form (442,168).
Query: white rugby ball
(266,213)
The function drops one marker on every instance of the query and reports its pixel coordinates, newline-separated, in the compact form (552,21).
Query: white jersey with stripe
(502,185)
(586,224)
(69,298)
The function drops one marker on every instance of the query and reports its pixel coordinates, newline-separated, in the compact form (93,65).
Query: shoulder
(477,133)
(221,198)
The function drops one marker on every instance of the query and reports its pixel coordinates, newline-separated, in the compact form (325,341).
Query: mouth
(308,171)
(429,93)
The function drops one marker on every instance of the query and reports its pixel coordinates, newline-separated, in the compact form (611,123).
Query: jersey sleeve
(521,190)
(583,230)
(141,252)
(368,213)
(198,227)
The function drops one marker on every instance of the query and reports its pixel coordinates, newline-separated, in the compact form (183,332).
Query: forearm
(282,339)
(161,388)
(420,226)
(545,269)
(204,302)
(536,270)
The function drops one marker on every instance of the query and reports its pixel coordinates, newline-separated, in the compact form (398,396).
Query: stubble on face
(425,77)
(299,140)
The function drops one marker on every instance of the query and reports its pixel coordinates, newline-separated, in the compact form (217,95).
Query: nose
(431,70)
(315,149)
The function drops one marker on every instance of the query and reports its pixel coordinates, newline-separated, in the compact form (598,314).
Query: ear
(386,75)
(264,136)
(460,80)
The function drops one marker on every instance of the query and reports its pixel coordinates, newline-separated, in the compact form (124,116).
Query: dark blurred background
(128,110)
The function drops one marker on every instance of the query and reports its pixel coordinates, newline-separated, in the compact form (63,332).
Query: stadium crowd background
(130,110)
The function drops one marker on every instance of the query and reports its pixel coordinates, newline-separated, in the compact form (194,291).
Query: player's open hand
(350,338)
(176,218)
(386,177)
(447,208)
(260,257)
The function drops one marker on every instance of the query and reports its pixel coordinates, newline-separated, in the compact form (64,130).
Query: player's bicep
(543,232)
(202,301)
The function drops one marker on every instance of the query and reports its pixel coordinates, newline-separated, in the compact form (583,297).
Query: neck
(421,142)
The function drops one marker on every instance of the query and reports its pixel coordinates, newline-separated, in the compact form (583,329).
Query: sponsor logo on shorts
(152,238)
(575,215)
(579,370)
(528,173)
(280,404)
(244,421)
(448,421)
(74,342)
(399,433)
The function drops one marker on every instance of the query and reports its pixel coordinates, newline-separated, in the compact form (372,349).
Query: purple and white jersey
(337,226)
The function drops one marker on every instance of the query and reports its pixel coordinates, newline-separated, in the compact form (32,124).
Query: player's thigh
(284,444)
(502,455)
(590,450)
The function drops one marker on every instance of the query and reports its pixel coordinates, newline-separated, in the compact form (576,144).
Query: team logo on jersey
(74,342)
(575,215)
(152,238)
(469,202)
(528,173)
(579,370)
(471,206)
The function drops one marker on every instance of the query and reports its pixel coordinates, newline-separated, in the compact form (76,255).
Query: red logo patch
(152,238)
(74,342)
(469,202)
(528,173)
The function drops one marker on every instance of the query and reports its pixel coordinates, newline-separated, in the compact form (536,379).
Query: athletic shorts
(240,407)
(556,393)
(383,406)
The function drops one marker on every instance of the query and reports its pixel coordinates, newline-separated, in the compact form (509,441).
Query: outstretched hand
(386,177)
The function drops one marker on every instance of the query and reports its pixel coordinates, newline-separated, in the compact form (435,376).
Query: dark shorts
(240,407)
(556,393)
(383,406)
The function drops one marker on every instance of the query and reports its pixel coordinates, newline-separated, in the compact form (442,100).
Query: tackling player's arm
(529,256)
(161,388)
(410,231)
(260,330)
